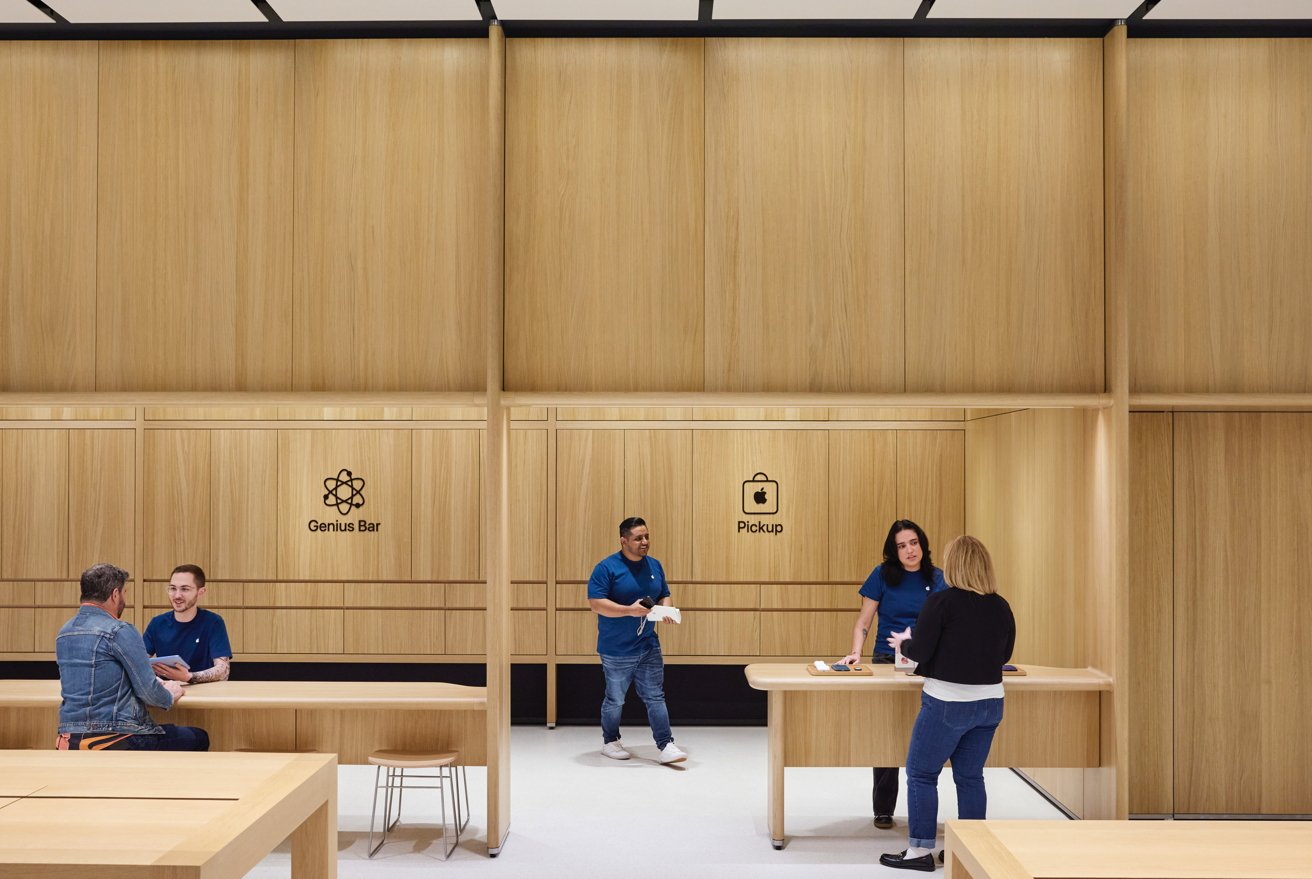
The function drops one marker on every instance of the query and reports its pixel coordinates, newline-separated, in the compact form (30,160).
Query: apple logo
(759,496)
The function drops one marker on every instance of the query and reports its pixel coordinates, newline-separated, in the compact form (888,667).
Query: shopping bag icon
(760,496)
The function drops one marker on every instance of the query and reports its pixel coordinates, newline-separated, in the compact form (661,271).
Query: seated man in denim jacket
(106,680)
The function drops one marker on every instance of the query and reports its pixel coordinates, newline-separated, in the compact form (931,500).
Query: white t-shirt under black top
(960,643)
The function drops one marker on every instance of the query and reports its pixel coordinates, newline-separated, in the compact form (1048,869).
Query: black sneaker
(940,854)
(883,822)
(899,861)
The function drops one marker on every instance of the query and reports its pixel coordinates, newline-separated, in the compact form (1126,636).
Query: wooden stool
(397,763)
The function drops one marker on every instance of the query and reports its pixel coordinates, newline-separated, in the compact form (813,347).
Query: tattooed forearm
(218,673)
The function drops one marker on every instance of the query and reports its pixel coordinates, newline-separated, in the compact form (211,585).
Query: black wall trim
(813,28)
(1147,28)
(319,30)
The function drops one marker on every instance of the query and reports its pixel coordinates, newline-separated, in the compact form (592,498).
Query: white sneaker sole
(616,756)
(674,760)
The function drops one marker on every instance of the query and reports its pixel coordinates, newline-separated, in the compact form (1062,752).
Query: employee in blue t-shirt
(895,591)
(192,632)
(622,590)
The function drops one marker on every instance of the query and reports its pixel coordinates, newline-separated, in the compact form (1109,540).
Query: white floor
(577,814)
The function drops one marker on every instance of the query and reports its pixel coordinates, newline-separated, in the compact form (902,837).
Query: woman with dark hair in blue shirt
(894,592)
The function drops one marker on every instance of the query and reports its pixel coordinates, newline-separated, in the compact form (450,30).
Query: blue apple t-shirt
(200,641)
(899,605)
(625,582)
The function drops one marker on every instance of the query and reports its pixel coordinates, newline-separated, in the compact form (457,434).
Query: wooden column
(496,482)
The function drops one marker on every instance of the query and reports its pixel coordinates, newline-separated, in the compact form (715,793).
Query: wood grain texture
(1150,678)
(618,413)
(17,629)
(604,214)
(713,633)
(391,631)
(658,487)
(244,503)
(863,477)
(447,507)
(804,191)
(798,461)
(1219,213)
(102,475)
(194,216)
(1028,500)
(395,596)
(177,500)
(34,518)
(589,499)
(392,201)
(353,734)
(806,633)
(294,631)
(576,633)
(1238,724)
(810,596)
(1004,225)
(48,108)
(931,483)
(466,632)
(858,413)
(528,505)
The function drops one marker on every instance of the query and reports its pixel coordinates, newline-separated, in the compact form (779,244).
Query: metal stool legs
(396,781)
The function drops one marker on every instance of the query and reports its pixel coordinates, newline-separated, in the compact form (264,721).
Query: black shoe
(883,822)
(940,855)
(899,861)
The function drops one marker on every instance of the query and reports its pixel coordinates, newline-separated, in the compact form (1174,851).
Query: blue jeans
(646,671)
(963,733)
(174,738)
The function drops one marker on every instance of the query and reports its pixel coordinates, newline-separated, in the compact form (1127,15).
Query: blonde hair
(967,565)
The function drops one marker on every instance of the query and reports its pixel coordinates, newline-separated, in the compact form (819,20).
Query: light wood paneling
(1152,595)
(177,515)
(473,596)
(17,629)
(797,460)
(759,413)
(1027,499)
(382,459)
(466,632)
(931,483)
(716,596)
(658,487)
(604,212)
(392,202)
(102,468)
(863,477)
(395,596)
(195,216)
(448,508)
(48,111)
(576,633)
(34,516)
(211,413)
(804,190)
(67,595)
(67,413)
(1219,213)
(1242,516)
(395,631)
(353,735)
(528,504)
(1004,219)
(808,596)
(806,633)
(293,631)
(616,413)
(589,499)
(17,594)
(712,633)
(243,504)
(321,595)
(857,413)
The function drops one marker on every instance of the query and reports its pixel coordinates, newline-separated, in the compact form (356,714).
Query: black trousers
(883,798)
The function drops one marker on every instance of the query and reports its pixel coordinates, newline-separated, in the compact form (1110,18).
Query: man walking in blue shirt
(622,590)
(198,635)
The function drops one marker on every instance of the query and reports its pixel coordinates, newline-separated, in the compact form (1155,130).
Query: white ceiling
(1232,9)
(22,12)
(376,10)
(1034,8)
(724,10)
(596,10)
(155,11)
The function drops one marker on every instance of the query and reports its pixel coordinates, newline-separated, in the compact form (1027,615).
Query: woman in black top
(964,636)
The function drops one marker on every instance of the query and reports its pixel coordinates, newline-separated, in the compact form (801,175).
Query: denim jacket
(105,677)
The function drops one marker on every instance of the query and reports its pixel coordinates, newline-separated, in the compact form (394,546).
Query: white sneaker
(672,753)
(614,750)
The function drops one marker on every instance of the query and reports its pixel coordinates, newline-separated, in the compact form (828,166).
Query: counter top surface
(794,676)
(390,695)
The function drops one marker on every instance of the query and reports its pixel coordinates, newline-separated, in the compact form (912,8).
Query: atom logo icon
(344,491)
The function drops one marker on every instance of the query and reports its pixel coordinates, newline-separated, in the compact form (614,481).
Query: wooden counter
(1052,718)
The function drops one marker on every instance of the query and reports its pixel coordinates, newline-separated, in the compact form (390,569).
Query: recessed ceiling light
(156,11)
(1033,8)
(768,10)
(376,10)
(596,10)
(1232,9)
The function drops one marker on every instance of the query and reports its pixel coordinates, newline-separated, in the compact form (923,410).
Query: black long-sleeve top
(962,637)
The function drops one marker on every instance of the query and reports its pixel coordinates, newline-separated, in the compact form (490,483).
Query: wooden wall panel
(1150,677)
(395,631)
(804,189)
(1220,213)
(392,201)
(798,461)
(394,596)
(862,499)
(382,458)
(244,504)
(528,504)
(576,633)
(1027,499)
(102,470)
(931,483)
(177,515)
(807,633)
(1242,516)
(713,633)
(17,629)
(48,111)
(195,216)
(589,499)
(466,632)
(34,516)
(1004,222)
(293,631)
(658,487)
(604,214)
(448,505)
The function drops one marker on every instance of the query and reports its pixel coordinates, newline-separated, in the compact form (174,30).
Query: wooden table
(155,815)
(1129,850)
(1052,719)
